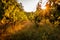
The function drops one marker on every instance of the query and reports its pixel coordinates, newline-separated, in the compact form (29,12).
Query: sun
(43,4)
(43,7)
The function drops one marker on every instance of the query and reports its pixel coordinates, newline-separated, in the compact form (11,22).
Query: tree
(1,9)
(13,11)
(55,11)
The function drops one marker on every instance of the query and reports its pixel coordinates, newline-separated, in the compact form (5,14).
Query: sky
(30,5)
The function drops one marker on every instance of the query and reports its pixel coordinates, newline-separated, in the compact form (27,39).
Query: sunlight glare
(43,7)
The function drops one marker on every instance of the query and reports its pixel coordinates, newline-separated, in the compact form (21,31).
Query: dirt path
(12,29)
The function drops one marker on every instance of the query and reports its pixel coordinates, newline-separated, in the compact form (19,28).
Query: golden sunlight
(43,7)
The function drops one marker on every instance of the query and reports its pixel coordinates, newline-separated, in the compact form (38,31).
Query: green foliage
(1,9)
(12,11)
